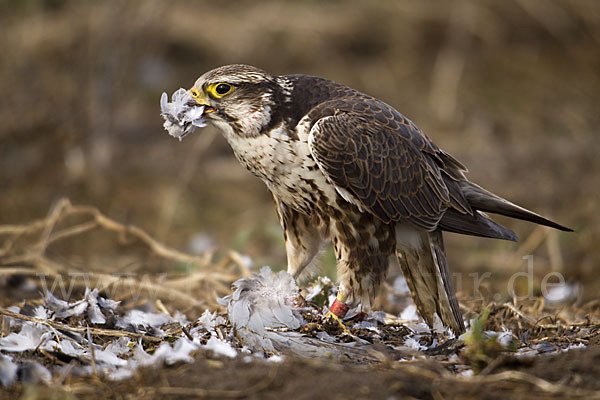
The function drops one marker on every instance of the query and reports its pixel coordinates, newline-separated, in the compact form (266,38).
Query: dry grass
(24,253)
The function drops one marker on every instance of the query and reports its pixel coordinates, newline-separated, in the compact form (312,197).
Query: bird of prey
(348,168)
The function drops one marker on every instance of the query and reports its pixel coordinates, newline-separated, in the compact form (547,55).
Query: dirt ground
(567,375)
(509,88)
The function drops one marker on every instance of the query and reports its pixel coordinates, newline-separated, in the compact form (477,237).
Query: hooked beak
(201,98)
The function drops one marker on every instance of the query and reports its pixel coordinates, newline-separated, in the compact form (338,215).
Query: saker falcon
(348,168)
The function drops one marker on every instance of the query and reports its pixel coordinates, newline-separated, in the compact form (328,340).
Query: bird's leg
(302,239)
(339,308)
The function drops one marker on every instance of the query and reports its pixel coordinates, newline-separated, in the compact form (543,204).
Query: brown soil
(573,374)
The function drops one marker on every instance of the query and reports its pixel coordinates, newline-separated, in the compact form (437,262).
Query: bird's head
(238,99)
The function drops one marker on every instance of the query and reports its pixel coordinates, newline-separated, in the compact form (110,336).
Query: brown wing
(386,164)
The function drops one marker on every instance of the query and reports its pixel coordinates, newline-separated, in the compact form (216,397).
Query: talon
(335,317)
(338,310)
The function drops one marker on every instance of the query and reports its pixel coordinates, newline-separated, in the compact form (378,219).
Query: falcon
(347,168)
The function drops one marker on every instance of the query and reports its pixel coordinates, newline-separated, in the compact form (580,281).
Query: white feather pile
(182,115)
(265,310)
(266,301)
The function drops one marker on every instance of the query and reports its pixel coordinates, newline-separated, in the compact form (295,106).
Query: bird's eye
(222,88)
(218,90)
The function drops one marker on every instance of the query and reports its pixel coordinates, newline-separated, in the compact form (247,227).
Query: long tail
(428,277)
(478,223)
(481,199)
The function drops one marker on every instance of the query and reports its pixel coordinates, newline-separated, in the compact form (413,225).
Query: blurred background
(511,88)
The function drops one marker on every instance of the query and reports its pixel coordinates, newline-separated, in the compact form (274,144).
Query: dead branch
(65,209)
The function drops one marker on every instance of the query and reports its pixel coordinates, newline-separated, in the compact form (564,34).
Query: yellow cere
(199,96)
(195,93)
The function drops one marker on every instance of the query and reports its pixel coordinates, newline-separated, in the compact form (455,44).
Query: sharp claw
(338,310)
(332,316)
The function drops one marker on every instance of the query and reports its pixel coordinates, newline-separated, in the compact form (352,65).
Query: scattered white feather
(504,338)
(140,357)
(200,243)
(438,326)
(13,322)
(69,348)
(34,372)
(166,353)
(116,360)
(108,304)
(575,346)
(181,352)
(409,313)
(118,374)
(120,346)
(92,304)
(420,327)
(366,324)
(8,370)
(561,293)
(321,283)
(106,357)
(141,320)
(29,338)
(94,313)
(72,310)
(220,347)
(400,286)
(412,343)
(313,292)
(207,323)
(182,115)
(276,358)
(41,312)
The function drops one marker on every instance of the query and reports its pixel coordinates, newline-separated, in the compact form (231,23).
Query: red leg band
(338,308)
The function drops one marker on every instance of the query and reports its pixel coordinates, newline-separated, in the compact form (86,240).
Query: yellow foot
(332,316)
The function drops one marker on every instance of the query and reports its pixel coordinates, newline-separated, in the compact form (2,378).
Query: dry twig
(24,252)
(80,329)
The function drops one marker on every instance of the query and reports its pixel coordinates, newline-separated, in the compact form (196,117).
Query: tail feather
(428,277)
(481,199)
(477,224)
